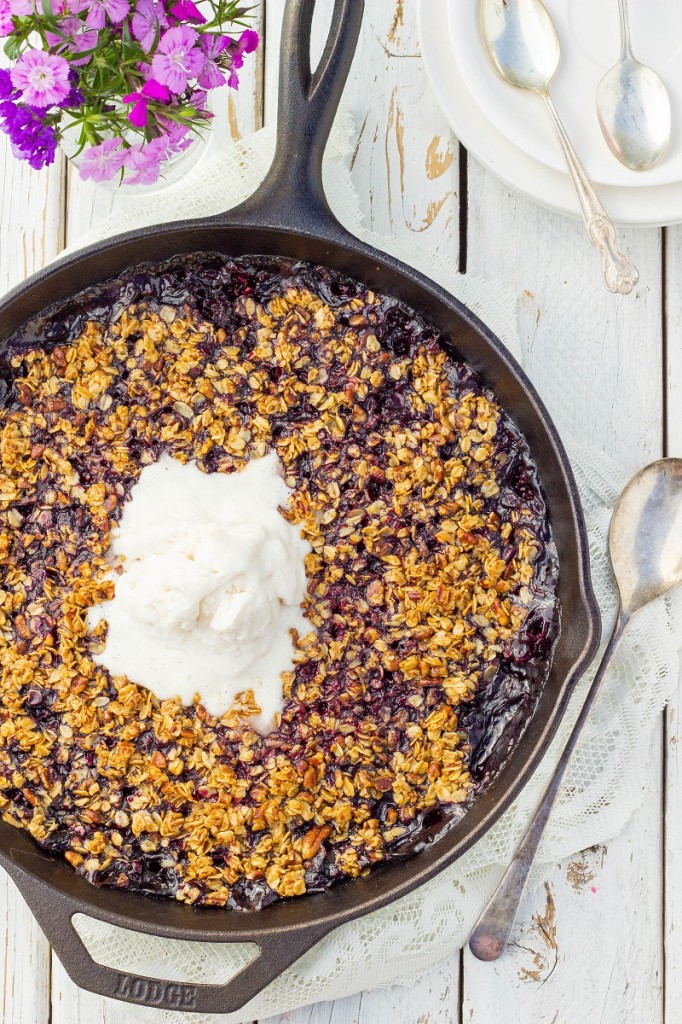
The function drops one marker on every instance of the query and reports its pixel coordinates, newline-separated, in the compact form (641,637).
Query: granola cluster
(431,581)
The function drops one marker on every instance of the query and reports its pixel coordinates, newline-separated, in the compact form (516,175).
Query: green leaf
(12,47)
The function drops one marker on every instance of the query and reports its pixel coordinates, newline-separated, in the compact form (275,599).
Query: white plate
(589,35)
(501,149)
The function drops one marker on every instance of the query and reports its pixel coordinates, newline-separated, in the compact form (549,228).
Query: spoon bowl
(633,107)
(645,539)
(634,114)
(521,41)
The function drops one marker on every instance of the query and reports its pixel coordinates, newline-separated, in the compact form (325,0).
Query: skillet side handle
(54,911)
(292,195)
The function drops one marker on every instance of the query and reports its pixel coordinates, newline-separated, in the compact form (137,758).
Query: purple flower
(211,75)
(42,77)
(6,87)
(32,140)
(144,163)
(39,151)
(151,90)
(185,10)
(21,8)
(177,59)
(149,18)
(103,162)
(100,10)
(74,97)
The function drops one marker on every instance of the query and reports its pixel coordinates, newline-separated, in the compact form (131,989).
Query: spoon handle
(619,273)
(491,934)
(625,45)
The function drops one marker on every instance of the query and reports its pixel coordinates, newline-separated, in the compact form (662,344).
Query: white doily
(402,941)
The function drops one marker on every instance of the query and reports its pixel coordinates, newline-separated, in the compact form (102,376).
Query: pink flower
(211,75)
(100,10)
(73,39)
(71,6)
(198,99)
(175,140)
(149,18)
(6,23)
(144,161)
(103,162)
(151,90)
(13,9)
(69,27)
(185,10)
(155,91)
(42,77)
(177,59)
(248,41)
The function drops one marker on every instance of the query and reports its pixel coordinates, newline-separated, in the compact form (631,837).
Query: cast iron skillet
(289,215)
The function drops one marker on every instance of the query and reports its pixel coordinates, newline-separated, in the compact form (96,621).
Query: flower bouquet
(126,81)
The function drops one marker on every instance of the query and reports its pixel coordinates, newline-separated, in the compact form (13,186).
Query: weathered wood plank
(31,217)
(595,357)
(31,233)
(25,979)
(434,999)
(672,906)
(596,360)
(673,737)
(404,159)
(587,942)
(73,1005)
(431,1000)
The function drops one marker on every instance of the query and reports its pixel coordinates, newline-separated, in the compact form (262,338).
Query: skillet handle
(54,910)
(292,194)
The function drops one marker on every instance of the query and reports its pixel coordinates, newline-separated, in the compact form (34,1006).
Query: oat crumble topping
(431,586)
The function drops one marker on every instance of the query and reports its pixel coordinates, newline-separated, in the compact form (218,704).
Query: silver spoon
(523,46)
(633,107)
(645,544)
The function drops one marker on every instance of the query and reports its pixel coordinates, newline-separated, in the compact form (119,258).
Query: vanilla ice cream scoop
(209,583)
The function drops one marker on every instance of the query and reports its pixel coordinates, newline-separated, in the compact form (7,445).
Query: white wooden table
(598,941)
